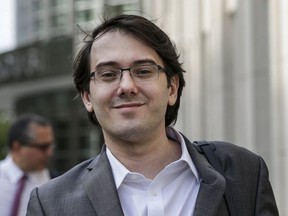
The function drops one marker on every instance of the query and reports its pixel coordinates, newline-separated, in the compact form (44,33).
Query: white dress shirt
(10,174)
(172,192)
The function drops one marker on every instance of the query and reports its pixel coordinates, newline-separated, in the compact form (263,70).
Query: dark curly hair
(151,35)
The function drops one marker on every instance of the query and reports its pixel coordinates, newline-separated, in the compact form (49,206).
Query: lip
(128,105)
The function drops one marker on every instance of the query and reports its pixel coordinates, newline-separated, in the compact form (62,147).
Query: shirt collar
(175,135)
(14,173)
(120,171)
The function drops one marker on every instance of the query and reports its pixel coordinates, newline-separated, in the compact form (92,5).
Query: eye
(143,71)
(108,75)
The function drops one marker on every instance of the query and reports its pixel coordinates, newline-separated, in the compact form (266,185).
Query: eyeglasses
(139,73)
(42,147)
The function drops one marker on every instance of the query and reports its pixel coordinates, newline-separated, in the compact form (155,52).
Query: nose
(49,152)
(127,85)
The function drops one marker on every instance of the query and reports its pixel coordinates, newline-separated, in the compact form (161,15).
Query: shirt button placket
(155,204)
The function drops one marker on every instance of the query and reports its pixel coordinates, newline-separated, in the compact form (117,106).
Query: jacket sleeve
(34,205)
(265,202)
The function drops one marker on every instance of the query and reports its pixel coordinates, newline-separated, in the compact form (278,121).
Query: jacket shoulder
(228,151)
(64,195)
(247,177)
(235,160)
(69,180)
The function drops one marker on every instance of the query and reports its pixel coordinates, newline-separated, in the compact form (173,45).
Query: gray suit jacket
(89,189)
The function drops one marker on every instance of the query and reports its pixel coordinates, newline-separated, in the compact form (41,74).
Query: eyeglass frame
(120,72)
(41,147)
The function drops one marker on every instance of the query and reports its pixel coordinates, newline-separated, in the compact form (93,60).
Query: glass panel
(55,3)
(37,5)
(85,15)
(58,20)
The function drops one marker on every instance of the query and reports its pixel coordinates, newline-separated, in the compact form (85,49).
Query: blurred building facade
(37,75)
(235,54)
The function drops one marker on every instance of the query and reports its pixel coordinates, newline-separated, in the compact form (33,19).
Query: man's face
(35,155)
(128,110)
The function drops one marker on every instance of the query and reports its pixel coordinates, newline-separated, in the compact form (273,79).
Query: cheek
(30,155)
(97,100)
(27,157)
(100,98)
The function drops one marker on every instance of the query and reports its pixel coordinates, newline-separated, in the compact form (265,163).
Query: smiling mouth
(128,105)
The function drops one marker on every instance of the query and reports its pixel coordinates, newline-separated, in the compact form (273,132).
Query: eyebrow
(116,64)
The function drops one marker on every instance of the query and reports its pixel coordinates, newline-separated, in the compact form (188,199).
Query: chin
(133,132)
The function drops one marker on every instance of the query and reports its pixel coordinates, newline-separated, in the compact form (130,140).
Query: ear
(86,100)
(16,146)
(173,93)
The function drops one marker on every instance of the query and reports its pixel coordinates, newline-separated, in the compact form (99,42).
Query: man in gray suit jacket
(130,81)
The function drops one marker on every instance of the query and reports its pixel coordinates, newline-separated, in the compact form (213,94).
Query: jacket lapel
(212,185)
(100,187)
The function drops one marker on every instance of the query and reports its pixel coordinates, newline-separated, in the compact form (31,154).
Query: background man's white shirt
(10,174)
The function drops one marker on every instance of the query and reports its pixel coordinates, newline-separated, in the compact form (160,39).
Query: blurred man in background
(30,142)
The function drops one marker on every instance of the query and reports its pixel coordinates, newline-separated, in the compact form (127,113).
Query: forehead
(37,131)
(122,48)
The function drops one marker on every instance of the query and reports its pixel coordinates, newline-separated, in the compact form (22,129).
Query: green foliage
(4,126)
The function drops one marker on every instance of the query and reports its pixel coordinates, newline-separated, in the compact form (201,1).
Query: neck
(146,157)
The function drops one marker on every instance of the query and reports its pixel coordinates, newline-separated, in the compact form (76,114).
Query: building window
(37,5)
(115,7)
(38,26)
(58,20)
(56,3)
(84,15)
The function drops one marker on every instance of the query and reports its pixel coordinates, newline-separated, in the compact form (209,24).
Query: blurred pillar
(279,105)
